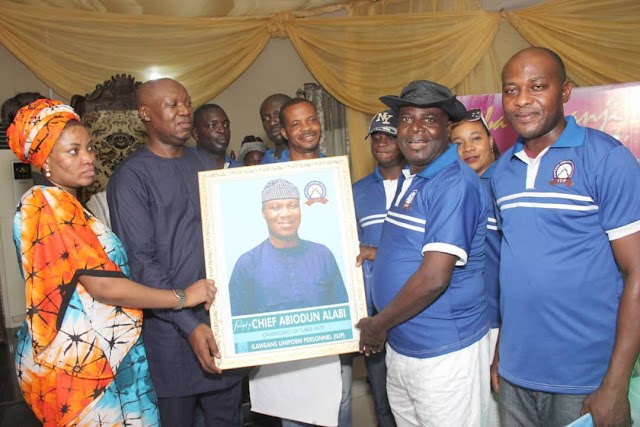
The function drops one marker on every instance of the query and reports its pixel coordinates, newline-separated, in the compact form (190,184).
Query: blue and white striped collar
(572,136)
(448,157)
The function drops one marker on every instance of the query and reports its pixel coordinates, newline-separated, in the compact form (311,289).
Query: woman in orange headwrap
(80,359)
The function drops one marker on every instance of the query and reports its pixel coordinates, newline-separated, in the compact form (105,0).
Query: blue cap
(385,121)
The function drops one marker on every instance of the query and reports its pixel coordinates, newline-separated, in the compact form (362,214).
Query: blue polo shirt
(492,253)
(370,202)
(560,286)
(443,208)
(284,157)
(231,163)
(269,157)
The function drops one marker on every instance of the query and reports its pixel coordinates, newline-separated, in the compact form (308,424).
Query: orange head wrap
(36,129)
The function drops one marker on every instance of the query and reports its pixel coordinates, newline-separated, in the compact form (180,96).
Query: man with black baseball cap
(428,284)
(372,196)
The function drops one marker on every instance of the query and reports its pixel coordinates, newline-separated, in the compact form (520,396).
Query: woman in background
(80,360)
(251,153)
(478,149)
(11,106)
(475,144)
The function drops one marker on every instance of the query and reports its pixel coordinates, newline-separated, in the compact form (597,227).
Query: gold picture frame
(233,226)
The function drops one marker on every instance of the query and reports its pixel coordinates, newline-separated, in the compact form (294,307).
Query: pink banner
(613,109)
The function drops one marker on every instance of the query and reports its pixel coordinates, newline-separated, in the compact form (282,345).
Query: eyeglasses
(475,115)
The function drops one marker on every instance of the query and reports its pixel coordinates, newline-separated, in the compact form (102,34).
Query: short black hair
(199,112)
(11,106)
(275,97)
(291,103)
(251,138)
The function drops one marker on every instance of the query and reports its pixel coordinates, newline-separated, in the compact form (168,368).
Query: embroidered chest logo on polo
(563,172)
(409,200)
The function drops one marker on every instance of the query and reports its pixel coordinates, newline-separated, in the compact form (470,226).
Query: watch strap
(182,297)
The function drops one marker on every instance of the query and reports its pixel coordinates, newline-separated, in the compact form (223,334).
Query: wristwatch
(181,298)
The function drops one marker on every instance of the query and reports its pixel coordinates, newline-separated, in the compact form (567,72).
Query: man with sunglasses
(477,148)
(372,196)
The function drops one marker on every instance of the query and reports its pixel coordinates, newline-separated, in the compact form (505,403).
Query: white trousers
(494,407)
(448,390)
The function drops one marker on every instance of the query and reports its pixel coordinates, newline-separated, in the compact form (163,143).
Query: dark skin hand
(421,290)
(367,253)
(609,404)
(493,371)
(205,348)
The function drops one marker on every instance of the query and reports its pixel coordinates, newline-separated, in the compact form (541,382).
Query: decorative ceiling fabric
(375,50)
(186,8)
(599,41)
(71,50)
(355,58)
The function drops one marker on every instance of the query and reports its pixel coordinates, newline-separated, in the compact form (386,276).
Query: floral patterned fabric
(79,362)
(115,134)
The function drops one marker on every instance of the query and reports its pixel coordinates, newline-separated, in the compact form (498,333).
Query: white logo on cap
(384,117)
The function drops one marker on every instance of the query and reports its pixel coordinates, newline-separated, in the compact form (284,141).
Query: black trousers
(220,408)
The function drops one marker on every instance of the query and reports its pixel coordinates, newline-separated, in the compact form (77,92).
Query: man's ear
(283,133)
(566,91)
(144,113)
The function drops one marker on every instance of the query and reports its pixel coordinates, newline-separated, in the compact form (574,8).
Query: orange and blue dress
(79,362)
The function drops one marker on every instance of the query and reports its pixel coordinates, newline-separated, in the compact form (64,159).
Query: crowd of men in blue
(518,274)
(541,246)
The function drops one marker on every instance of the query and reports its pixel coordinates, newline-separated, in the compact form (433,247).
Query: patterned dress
(79,362)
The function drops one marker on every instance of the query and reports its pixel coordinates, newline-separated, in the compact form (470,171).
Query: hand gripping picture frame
(281,243)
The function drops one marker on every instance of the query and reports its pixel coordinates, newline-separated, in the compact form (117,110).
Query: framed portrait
(281,243)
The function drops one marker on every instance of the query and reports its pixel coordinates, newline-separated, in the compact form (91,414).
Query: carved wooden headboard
(118,93)
(110,113)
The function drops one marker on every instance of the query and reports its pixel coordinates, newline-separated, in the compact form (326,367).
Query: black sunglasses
(475,115)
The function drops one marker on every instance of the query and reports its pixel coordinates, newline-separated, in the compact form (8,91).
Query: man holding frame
(301,128)
(428,282)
